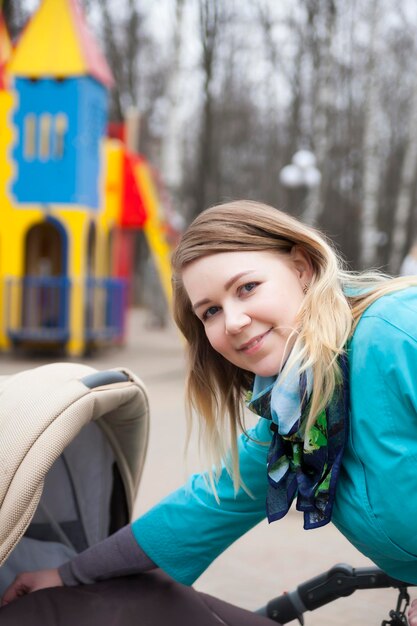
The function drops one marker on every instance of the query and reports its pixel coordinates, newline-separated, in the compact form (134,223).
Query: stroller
(73,442)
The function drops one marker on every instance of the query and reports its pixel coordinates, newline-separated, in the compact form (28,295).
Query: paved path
(269,559)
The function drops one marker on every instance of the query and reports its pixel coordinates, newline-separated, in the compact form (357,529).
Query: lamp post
(303,174)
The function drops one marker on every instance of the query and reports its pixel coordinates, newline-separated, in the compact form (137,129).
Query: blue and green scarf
(306,468)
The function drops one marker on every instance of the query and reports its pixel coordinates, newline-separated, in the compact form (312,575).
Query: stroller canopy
(91,428)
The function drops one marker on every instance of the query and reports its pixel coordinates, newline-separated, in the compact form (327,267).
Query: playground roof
(56,42)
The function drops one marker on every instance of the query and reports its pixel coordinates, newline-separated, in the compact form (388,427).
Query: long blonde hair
(326,319)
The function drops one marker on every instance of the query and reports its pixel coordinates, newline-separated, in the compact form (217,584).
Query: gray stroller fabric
(74,510)
(77,491)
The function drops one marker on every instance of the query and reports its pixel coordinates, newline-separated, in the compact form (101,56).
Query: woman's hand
(31,581)
(412,613)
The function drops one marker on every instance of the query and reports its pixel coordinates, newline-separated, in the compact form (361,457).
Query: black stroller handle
(106,377)
(341,580)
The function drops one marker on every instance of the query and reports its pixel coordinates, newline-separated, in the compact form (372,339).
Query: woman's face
(248,303)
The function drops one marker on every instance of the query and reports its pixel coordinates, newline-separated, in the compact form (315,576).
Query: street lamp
(302,173)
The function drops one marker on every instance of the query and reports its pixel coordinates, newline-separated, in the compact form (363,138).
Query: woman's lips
(253,344)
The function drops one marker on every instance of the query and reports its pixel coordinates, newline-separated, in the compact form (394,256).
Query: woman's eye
(248,287)
(212,310)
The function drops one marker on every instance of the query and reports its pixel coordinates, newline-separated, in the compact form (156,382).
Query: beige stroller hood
(42,410)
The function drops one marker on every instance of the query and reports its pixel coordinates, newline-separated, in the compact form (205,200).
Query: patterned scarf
(306,469)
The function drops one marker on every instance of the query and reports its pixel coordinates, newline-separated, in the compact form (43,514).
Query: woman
(325,357)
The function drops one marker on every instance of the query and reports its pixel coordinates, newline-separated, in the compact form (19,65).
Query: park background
(228,92)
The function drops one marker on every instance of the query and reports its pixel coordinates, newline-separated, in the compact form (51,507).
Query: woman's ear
(302,263)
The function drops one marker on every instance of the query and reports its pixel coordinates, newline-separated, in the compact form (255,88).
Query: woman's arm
(118,555)
(185,532)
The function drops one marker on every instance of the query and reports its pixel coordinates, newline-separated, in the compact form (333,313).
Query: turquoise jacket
(376,500)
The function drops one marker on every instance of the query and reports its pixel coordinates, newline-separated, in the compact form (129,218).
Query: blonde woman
(326,358)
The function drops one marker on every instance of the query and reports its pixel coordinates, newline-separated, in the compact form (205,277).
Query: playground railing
(38,308)
(106,303)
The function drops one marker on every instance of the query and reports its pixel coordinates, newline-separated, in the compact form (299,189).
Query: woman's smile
(253,345)
(248,303)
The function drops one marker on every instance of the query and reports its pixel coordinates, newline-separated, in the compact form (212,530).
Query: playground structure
(70,196)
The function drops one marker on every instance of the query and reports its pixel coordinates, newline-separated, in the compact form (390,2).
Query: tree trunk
(171,157)
(405,193)
(323,72)
(15,15)
(209,32)
(371,161)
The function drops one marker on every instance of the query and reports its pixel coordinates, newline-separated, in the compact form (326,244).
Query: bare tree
(321,22)
(311,27)
(171,157)
(371,160)
(282,72)
(211,14)
(15,16)
(406,190)
(138,65)
(408,170)
(121,41)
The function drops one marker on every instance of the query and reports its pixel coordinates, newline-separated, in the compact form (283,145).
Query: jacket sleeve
(188,529)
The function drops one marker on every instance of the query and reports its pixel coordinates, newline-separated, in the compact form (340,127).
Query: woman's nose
(235,320)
